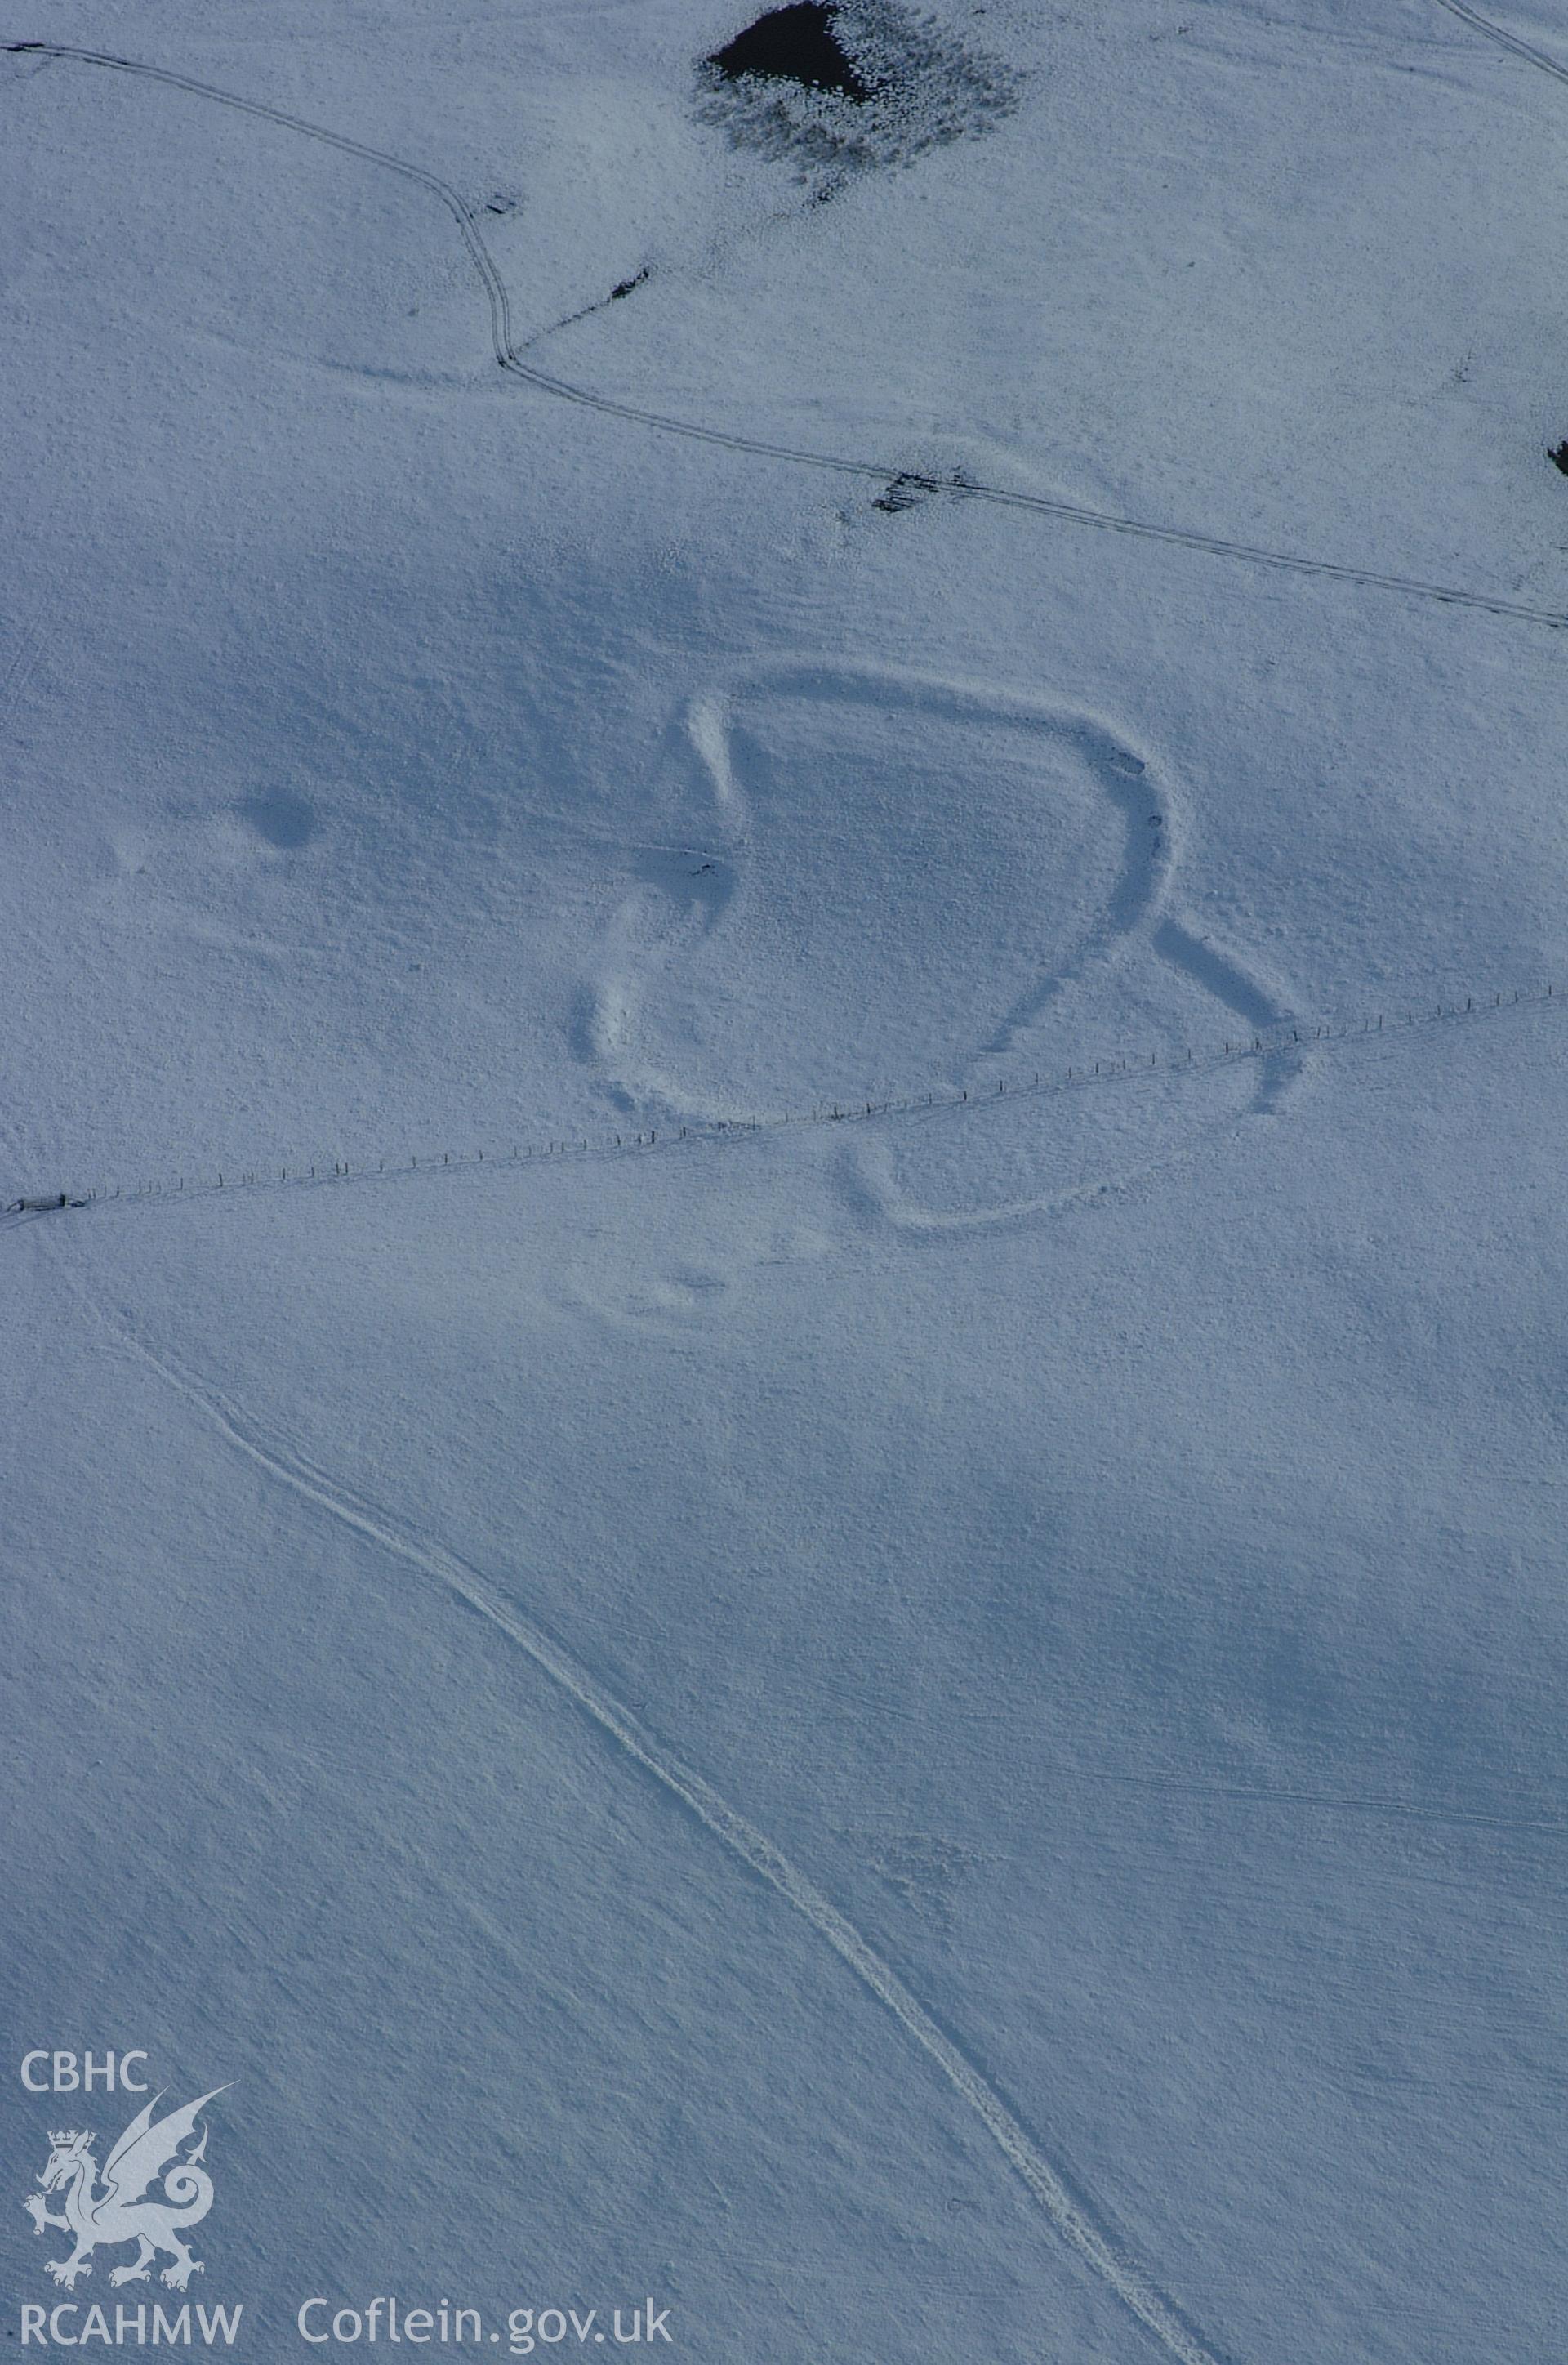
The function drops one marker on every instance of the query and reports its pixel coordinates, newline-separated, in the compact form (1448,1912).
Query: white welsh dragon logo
(119,2213)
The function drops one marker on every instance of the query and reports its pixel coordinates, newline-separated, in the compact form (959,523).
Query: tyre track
(755,447)
(1510,42)
(283,1462)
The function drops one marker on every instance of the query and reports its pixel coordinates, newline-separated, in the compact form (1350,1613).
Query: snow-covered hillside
(935,1738)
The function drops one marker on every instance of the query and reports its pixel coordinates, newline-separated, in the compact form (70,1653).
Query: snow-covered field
(932,1739)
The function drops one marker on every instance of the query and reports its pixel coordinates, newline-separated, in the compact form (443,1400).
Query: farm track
(881,472)
(287,1465)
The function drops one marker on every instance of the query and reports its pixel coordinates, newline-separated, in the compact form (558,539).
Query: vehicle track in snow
(881,472)
(1505,41)
(283,1462)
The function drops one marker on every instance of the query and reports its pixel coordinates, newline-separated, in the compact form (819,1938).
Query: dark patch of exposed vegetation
(834,87)
(794,44)
(908,490)
(904,492)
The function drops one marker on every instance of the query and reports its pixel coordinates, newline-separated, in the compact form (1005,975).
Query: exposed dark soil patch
(796,44)
(833,87)
(907,490)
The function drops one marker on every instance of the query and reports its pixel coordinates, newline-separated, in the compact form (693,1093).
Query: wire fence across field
(1291,1040)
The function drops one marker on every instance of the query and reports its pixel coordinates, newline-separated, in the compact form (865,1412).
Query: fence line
(1289,1040)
